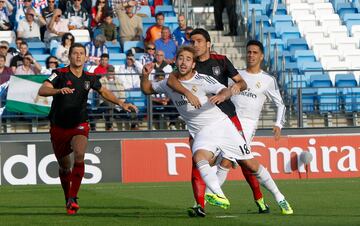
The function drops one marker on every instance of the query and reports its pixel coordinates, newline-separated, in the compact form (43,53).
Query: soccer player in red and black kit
(219,67)
(68,116)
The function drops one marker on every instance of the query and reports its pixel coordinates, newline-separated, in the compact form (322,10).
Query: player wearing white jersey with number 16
(203,122)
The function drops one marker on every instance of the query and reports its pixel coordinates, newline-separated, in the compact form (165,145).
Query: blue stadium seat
(314,66)
(345,8)
(286,33)
(37,48)
(297,44)
(130,44)
(351,19)
(167,10)
(308,97)
(303,56)
(317,80)
(260,9)
(113,48)
(351,98)
(282,20)
(328,100)
(40,58)
(117,58)
(136,97)
(280,10)
(345,80)
(144,10)
(171,22)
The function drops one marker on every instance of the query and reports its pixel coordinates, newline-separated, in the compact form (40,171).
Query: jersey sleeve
(211,85)
(54,78)
(231,70)
(159,87)
(274,94)
(96,84)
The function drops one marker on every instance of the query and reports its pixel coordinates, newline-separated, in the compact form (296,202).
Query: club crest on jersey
(87,85)
(258,85)
(194,89)
(216,70)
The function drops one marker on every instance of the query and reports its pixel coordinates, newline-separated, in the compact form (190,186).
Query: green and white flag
(23,95)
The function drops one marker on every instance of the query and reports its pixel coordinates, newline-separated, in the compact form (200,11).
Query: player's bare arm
(47,89)
(109,96)
(277,132)
(145,83)
(223,95)
(239,85)
(174,84)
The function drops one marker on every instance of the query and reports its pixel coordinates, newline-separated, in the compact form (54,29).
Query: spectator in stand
(95,49)
(4,47)
(149,55)
(5,72)
(77,15)
(64,5)
(129,73)
(98,13)
(131,28)
(179,33)
(51,63)
(115,3)
(167,45)
(6,10)
(103,66)
(62,52)
(29,67)
(108,29)
(29,28)
(21,10)
(17,60)
(160,65)
(15,51)
(187,40)
(154,4)
(47,13)
(111,82)
(230,6)
(56,28)
(154,32)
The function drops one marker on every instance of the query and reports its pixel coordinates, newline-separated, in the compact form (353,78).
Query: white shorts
(222,137)
(249,128)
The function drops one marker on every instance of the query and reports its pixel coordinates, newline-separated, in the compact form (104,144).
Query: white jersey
(249,102)
(201,86)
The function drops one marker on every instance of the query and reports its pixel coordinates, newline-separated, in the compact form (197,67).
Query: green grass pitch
(315,202)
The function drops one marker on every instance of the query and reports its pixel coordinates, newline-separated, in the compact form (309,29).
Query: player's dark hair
(76,45)
(187,48)
(203,32)
(159,14)
(104,55)
(255,43)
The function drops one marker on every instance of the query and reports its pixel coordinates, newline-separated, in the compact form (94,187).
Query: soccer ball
(306,157)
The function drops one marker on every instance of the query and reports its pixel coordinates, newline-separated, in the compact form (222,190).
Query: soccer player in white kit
(204,121)
(249,102)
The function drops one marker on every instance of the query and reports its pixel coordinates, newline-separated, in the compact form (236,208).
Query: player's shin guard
(209,177)
(266,180)
(65,179)
(253,182)
(76,177)
(198,186)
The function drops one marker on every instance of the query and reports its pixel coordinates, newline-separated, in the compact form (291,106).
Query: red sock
(76,177)
(253,182)
(198,185)
(65,178)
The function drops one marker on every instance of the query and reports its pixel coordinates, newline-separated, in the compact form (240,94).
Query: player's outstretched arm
(223,95)
(174,84)
(109,96)
(47,89)
(145,83)
(239,85)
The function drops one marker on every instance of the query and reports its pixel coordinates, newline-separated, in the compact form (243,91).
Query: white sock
(209,177)
(266,180)
(221,174)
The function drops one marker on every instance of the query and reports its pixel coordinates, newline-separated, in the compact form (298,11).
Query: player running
(249,102)
(68,116)
(220,68)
